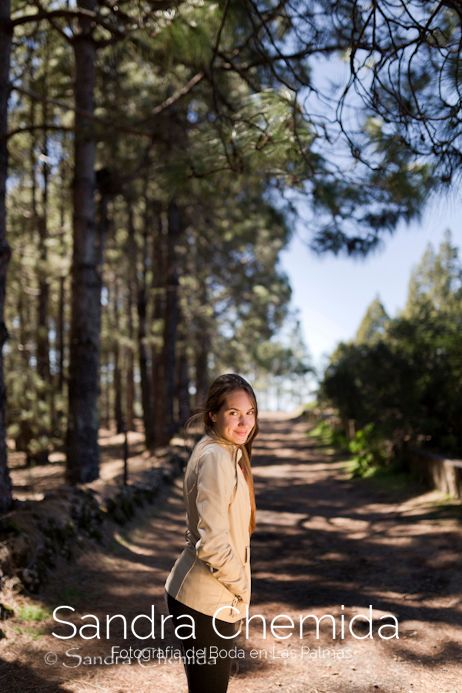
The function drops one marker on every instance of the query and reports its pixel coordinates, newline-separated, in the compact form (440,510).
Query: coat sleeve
(215,485)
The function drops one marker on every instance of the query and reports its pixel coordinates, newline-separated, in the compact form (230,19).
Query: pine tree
(373,324)
(5,53)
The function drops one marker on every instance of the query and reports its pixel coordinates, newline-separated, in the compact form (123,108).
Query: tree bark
(201,353)
(139,276)
(6,36)
(170,321)
(118,411)
(141,304)
(60,320)
(60,332)
(182,393)
(43,342)
(130,361)
(29,322)
(43,345)
(158,311)
(83,420)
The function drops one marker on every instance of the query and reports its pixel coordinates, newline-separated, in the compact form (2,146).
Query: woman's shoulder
(208,445)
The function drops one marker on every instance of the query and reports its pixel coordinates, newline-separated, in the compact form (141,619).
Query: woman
(210,580)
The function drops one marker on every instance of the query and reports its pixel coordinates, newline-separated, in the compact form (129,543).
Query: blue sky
(332,293)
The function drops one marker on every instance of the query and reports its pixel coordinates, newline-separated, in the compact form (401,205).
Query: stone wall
(34,534)
(437,472)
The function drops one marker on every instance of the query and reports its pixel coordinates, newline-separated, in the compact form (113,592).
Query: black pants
(205,673)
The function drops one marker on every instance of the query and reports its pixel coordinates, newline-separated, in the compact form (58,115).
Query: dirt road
(325,546)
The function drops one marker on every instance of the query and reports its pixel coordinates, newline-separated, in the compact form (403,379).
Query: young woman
(210,581)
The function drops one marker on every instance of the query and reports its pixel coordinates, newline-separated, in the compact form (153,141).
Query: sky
(333,293)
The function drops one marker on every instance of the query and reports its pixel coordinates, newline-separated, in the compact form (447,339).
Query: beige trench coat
(212,574)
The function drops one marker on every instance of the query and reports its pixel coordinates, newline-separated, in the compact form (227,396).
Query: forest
(155,158)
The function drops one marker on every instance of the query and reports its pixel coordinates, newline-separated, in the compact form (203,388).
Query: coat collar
(234,448)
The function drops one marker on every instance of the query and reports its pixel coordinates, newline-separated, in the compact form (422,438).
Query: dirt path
(324,546)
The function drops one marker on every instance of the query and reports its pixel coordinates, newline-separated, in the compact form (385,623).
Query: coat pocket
(200,588)
(228,603)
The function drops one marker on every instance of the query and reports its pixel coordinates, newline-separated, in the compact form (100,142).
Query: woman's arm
(215,485)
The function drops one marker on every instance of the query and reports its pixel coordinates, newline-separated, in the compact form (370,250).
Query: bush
(369,451)
(329,434)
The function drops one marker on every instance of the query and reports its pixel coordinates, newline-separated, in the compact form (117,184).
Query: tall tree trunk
(43,343)
(28,432)
(158,311)
(182,393)
(23,436)
(105,380)
(83,421)
(170,320)
(201,353)
(118,412)
(130,361)
(43,346)
(6,36)
(60,323)
(60,332)
(105,365)
(201,370)
(139,276)
(102,220)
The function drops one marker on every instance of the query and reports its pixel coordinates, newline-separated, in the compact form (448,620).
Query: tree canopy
(158,156)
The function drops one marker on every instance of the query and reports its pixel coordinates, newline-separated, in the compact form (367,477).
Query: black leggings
(205,673)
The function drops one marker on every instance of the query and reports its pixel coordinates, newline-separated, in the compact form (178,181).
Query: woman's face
(236,417)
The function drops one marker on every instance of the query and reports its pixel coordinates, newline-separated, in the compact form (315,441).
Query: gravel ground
(354,552)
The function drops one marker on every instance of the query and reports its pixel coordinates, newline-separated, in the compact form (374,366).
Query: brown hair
(218,390)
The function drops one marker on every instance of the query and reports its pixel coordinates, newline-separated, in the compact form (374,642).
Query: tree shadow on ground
(16,678)
(321,541)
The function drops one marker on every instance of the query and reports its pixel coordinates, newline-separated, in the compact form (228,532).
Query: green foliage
(368,451)
(374,322)
(329,434)
(406,376)
(33,613)
(436,282)
(30,422)
(204,103)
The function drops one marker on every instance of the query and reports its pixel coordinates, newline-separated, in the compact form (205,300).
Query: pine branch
(52,14)
(84,113)
(33,128)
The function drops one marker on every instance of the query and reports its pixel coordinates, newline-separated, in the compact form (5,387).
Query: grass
(34,633)
(33,613)
(32,616)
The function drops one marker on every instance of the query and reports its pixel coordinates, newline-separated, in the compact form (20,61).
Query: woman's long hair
(218,390)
